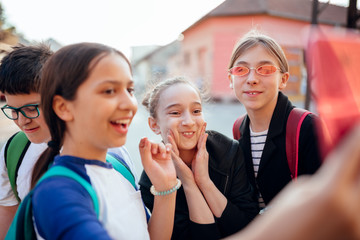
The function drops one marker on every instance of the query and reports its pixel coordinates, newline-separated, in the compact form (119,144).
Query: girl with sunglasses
(258,71)
(216,199)
(88,103)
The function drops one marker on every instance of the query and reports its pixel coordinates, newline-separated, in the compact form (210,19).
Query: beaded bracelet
(163,193)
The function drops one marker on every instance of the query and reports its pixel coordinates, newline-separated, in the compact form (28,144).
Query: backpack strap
(22,225)
(121,166)
(66,172)
(236,127)
(293,126)
(15,150)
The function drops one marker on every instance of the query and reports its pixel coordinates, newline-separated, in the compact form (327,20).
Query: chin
(36,140)
(118,143)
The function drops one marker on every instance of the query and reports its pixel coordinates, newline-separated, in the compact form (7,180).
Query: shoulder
(222,147)
(219,141)
(64,198)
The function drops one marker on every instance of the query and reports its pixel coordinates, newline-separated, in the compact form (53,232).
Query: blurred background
(165,38)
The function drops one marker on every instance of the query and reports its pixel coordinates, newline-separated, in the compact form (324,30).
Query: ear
(154,126)
(61,108)
(284,79)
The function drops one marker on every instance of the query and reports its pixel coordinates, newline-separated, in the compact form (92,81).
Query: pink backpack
(293,125)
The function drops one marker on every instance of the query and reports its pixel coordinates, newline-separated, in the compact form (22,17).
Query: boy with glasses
(20,72)
(20,76)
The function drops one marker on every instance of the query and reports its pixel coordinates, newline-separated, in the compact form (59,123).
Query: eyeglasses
(264,70)
(29,111)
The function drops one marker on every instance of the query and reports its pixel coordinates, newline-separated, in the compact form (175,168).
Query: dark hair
(20,70)
(62,75)
(151,99)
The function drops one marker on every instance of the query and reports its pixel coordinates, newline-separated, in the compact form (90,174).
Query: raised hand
(157,164)
(200,163)
(183,171)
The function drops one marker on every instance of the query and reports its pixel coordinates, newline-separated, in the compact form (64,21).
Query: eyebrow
(128,82)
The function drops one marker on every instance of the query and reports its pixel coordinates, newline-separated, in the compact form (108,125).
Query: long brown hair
(62,75)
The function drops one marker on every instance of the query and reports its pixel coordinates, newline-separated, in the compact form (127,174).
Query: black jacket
(274,172)
(227,171)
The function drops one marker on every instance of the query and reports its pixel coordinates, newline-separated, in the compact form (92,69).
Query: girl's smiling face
(180,111)
(257,92)
(104,106)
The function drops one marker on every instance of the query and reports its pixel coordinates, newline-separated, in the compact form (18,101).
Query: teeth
(188,133)
(127,121)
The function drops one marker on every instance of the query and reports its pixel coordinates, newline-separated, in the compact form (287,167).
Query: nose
(22,120)
(187,119)
(127,102)
(252,78)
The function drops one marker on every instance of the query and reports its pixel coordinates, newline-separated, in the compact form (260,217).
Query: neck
(82,150)
(260,118)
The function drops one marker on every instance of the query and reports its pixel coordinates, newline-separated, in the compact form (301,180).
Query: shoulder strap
(22,225)
(236,127)
(293,126)
(15,150)
(66,172)
(121,166)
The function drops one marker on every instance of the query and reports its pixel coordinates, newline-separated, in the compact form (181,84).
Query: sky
(118,23)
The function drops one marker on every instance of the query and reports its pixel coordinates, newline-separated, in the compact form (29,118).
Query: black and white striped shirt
(257,140)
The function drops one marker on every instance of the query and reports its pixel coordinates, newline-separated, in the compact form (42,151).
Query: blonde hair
(255,38)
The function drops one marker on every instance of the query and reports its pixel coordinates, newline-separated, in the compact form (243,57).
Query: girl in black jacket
(258,71)
(216,198)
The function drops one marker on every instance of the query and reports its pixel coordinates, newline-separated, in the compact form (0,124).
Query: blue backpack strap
(120,165)
(22,225)
(66,172)
(293,126)
(15,150)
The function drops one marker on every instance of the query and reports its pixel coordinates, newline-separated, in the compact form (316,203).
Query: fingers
(172,142)
(145,150)
(203,137)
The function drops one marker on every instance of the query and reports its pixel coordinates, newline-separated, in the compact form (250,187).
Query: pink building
(207,45)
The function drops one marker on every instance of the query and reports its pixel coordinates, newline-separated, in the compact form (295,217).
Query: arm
(160,169)
(8,202)
(329,209)
(7,214)
(235,210)
(200,165)
(199,210)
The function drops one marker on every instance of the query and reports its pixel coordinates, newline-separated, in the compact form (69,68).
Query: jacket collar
(277,127)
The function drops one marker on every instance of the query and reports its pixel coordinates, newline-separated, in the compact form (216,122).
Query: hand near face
(183,171)
(200,163)
(157,164)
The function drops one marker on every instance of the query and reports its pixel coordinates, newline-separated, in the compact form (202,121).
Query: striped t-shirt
(257,140)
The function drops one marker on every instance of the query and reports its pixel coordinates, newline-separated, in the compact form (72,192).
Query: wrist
(170,190)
